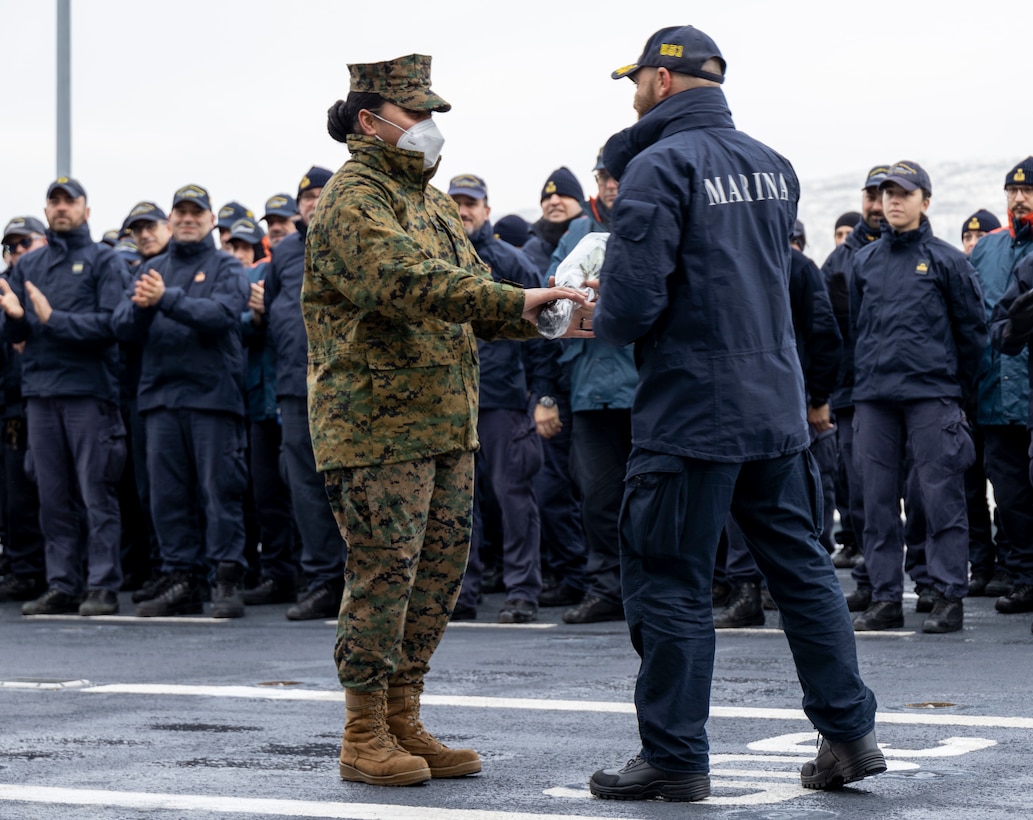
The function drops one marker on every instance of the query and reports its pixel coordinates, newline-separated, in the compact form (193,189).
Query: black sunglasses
(22,243)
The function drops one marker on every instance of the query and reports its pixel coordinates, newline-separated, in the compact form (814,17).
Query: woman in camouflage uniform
(393,298)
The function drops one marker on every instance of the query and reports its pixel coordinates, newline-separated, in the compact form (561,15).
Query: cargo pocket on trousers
(653,512)
(957,447)
(113,445)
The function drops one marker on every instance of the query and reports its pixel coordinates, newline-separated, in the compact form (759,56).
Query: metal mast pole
(64,88)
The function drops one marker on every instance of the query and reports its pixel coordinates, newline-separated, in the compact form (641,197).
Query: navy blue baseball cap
(798,233)
(231,212)
(193,193)
(682,49)
(248,230)
(127,249)
(469,185)
(315,177)
(70,186)
(908,175)
(23,226)
(144,212)
(281,205)
(875,176)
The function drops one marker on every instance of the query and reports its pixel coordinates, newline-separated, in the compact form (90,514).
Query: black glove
(1020,316)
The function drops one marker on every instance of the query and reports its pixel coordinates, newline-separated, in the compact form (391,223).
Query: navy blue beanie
(981,220)
(563,182)
(315,177)
(513,229)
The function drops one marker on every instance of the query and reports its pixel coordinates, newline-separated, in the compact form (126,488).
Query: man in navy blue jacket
(59,302)
(696,275)
(511,451)
(184,306)
(323,550)
(919,330)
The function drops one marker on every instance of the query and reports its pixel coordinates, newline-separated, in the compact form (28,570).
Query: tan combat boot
(369,752)
(403,719)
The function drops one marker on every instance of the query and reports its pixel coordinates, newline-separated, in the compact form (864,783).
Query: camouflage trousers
(408,531)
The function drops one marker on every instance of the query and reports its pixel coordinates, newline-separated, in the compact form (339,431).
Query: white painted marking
(804,743)
(715,760)
(257,692)
(42,684)
(756,793)
(882,634)
(130,619)
(253,806)
(267,693)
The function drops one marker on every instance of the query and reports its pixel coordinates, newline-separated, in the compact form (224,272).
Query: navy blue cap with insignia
(1021,174)
(70,186)
(682,49)
(231,212)
(280,205)
(469,185)
(563,182)
(908,175)
(315,177)
(875,176)
(192,193)
(981,220)
(144,212)
(23,226)
(127,249)
(248,230)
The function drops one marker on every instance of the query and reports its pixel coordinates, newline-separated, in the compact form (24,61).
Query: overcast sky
(232,94)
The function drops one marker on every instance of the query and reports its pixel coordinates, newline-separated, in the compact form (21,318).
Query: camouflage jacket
(393,297)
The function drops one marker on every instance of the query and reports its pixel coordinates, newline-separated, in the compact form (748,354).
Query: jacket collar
(398,163)
(68,240)
(703,107)
(900,240)
(188,250)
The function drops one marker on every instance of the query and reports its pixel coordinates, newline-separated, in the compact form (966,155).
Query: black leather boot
(745,607)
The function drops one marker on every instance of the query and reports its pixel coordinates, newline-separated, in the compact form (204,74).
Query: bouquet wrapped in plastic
(584,262)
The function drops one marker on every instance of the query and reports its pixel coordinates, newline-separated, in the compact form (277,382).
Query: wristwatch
(548,402)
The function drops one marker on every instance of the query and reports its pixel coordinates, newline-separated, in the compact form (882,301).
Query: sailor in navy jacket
(919,330)
(696,275)
(191,396)
(59,303)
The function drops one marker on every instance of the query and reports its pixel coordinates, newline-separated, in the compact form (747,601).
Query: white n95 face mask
(423,137)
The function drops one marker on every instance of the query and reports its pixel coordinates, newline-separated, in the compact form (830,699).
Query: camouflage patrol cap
(404,81)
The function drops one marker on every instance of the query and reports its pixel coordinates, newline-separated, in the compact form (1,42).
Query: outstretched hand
(537,298)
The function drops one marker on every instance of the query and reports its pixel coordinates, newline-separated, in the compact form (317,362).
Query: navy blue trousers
(508,460)
(1007,460)
(78,446)
(937,436)
(563,541)
(323,550)
(740,565)
(601,443)
(671,519)
(197,457)
(272,499)
(23,540)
